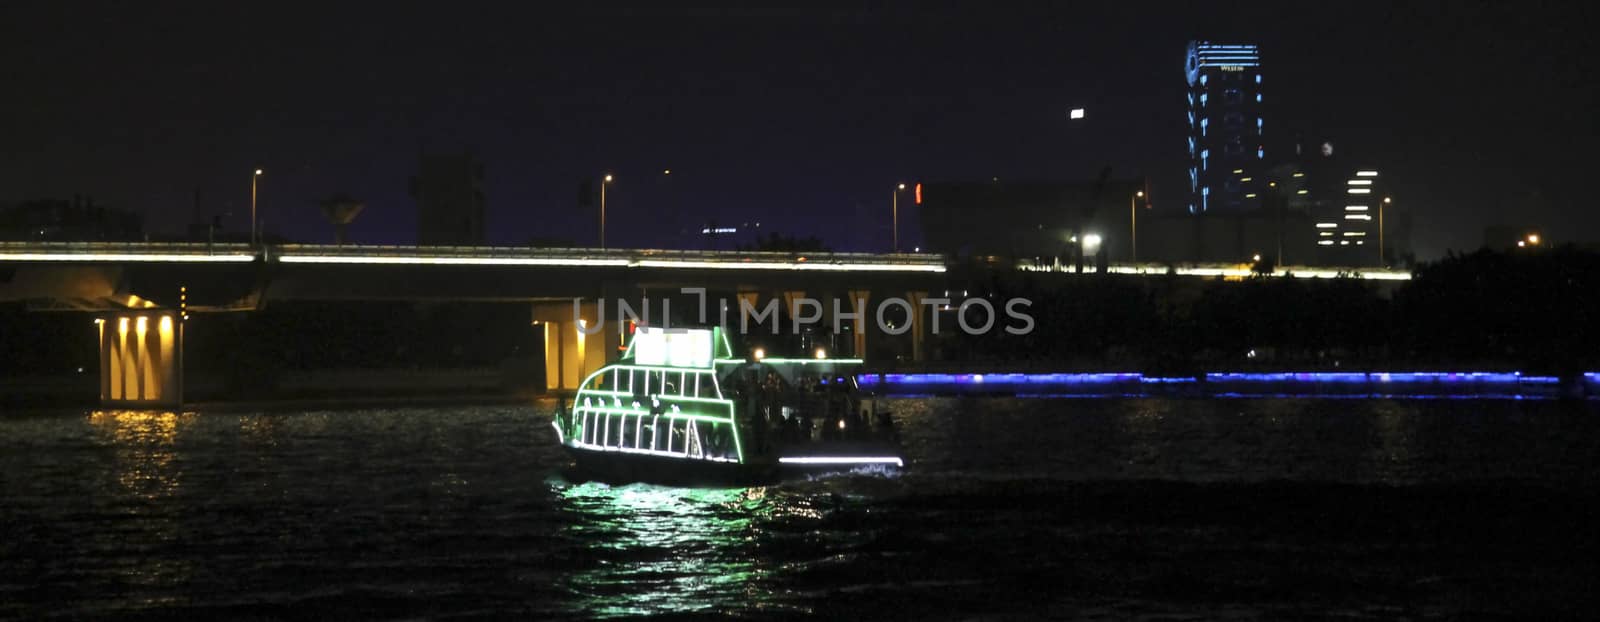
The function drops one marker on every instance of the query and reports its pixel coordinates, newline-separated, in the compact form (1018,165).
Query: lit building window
(1360,182)
(1325,243)
(1355,208)
(1357,217)
(1327,225)
(1366,173)
(1359,191)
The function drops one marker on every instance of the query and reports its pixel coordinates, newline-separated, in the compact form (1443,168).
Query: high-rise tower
(1226,151)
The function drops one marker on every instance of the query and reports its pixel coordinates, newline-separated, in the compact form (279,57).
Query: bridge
(143,293)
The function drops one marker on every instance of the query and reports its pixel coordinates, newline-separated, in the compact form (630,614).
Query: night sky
(800,117)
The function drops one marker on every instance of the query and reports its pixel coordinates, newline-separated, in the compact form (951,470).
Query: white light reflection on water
(144,443)
(149,475)
(654,550)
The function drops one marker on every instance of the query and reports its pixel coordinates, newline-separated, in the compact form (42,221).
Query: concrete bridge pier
(917,309)
(859,305)
(141,359)
(570,355)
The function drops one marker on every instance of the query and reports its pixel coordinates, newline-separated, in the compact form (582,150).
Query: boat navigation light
(821,353)
(760,354)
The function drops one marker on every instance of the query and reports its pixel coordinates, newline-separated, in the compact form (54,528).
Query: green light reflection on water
(654,550)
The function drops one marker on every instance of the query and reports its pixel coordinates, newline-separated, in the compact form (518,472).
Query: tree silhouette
(340,210)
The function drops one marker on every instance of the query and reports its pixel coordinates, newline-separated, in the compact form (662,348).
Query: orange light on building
(919,194)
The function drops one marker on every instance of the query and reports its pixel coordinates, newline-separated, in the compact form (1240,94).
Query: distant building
(75,220)
(1274,233)
(450,201)
(1353,212)
(1035,220)
(1226,124)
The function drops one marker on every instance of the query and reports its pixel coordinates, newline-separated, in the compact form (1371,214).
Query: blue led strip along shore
(1376,380)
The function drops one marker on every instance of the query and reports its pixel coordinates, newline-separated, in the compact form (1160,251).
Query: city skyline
(808,129)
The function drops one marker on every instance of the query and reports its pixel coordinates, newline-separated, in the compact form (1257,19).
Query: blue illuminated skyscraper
(1226,151)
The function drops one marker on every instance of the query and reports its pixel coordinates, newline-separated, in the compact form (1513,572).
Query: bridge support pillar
(917,311)
(858,329)
(140,359)
(744,298)
(569,354)
(791,298)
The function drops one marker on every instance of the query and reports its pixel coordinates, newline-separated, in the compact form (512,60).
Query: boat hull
(621,468)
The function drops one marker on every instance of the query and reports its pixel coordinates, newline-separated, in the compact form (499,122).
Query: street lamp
(1382,261)
(604,181)
(1133,226)
(254,237)
(894,202)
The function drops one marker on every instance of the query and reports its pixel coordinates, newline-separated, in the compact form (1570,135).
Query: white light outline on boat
(647,452)
(843,460)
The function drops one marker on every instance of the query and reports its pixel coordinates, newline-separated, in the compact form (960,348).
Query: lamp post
(1133,226)
(254,236)
(604,181)
(894,203)
(1382,261)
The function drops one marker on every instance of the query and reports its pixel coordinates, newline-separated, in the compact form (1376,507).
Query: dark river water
(1113,509)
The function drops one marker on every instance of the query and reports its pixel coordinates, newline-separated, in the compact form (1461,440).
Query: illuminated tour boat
(679,408)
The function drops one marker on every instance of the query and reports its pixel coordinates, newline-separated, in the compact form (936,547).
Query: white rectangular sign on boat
(673,348)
